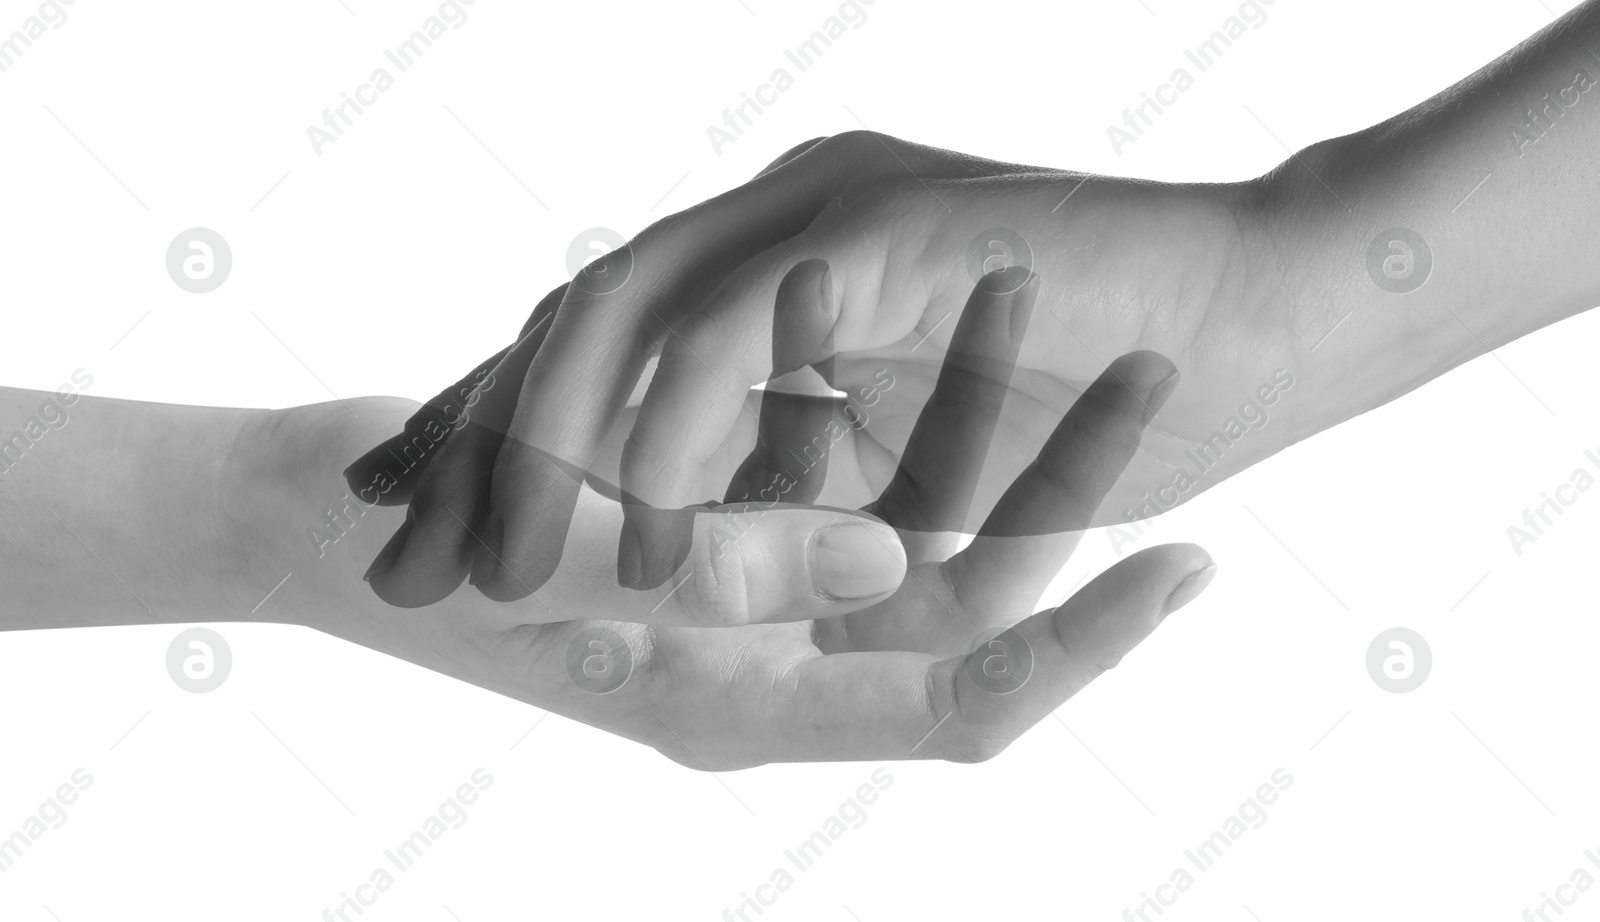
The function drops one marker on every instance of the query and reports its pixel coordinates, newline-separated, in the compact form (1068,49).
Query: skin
(110,526)
(1238,283)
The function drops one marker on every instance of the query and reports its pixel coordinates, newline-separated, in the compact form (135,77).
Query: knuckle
(721,597)
(854,140)
(697,329)
(974,747)
(1104,664)
(641,462)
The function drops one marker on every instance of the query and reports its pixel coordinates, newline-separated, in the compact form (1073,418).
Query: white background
(405,253)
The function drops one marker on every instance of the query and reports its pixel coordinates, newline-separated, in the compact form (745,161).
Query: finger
(614,317)
(1019,677)
(708,362)
(393,468)
(938,472)
(747,564)
(789,459)
(428,556)
(1032,530)
(969,708)
(796,408)
(389,473)
(1122,606)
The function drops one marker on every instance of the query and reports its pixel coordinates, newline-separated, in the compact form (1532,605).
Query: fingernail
(376,456)
(391,551)
(486,561)
(1158,395)
(857,561)
(1188,590)
(360,470)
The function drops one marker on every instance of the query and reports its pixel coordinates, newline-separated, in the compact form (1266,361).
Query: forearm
(124,512)
(141,513)
(1497,175)
(109,513)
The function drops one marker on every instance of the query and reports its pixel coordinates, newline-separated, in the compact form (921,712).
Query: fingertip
(1188,569)
(379,472)
(531,501)
(412,585)
(1144,367)
(803,316)
(1008,280)
(392,550)
(653,544)
(857,559)
(1189,589)
(1181,557)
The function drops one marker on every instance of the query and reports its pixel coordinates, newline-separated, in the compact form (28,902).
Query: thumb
(752,563)
(747,563)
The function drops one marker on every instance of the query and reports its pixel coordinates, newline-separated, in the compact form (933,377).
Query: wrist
(289,516)
(1355,241)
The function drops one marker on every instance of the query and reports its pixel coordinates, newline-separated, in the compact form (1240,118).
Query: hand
(440,466)
(895,680)
(876,235)
(248,523)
